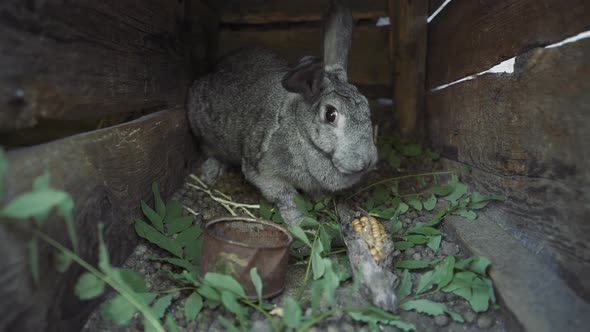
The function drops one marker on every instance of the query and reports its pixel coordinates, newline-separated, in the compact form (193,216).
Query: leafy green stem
(307,271)
(142,308)
(262,311)
(323,315)
(417,296)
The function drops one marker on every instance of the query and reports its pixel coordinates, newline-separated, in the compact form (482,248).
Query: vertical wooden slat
(409,42)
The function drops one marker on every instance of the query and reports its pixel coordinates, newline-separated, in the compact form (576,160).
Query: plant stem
(142,308)
(262,311)
(174,290)
(321,316)
(335,252)
(396,179)
(307,271)
(417,296)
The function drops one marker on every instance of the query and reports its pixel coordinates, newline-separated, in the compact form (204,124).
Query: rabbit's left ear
(336,38)
(306,78)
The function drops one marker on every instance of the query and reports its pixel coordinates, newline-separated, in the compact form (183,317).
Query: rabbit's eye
(331,114)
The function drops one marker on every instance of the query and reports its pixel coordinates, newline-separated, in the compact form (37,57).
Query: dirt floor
(234,185)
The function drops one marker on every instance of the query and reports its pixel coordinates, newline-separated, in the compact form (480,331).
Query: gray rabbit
(302,128)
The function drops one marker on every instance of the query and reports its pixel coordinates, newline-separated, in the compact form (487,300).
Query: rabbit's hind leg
(211,170)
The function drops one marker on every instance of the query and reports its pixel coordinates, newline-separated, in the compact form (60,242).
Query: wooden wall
(69,60)
(292,29)
(64,63)
(523,134)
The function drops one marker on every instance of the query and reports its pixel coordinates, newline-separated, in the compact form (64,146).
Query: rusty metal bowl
(234,245)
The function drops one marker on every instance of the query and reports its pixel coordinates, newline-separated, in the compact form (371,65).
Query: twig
(190,210)
(397,179)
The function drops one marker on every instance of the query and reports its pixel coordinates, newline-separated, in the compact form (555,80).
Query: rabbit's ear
(306,78)
(336,38)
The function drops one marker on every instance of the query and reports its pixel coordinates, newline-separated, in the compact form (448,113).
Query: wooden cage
(93,91)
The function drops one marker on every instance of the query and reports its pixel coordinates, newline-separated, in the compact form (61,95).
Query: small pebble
(419,248)
(450,297)
(485,322)
(449,249)
(438,297)
(396,253)
(176,295)
(410,251)
(157,265)
(441,320)
(179,315)
(470,316)
(332,328)
(166,267)
(417,256)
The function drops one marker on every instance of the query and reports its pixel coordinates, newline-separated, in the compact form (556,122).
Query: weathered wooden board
(107,172)
(538,298)
(527,134)
(468,37)
(260,12)
(78,59)
(410,33)
(369,57)
(433,5)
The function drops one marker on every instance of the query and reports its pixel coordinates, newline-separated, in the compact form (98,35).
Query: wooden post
(408,39)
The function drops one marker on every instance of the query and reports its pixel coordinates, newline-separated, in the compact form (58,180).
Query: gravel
(441,320)
(485,322)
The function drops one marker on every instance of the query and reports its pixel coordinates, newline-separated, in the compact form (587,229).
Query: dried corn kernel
(373,232)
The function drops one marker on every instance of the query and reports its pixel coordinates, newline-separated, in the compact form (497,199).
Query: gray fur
(255,111)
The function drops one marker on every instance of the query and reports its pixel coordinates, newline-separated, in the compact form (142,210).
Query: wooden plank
(538,298)
(107,172)
(529,131)
(369,57)
(468,37)
(433,5)
(78,59)
(410,38)
(260,12)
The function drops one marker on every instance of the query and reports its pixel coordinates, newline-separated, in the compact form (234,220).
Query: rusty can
(234,245)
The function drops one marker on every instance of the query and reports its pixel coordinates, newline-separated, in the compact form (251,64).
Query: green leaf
(330,281)
(434,243)
(299,234)
(265,210)
(396,227)
(430,308)
(386,213)
(411,150)
(429,203)
(193,251)
(325,239)
(444,271)
(227,324)
(437,218)
(65,209)
(120,311)
(160,206)
(209,293)
(403,245)
(479,201)
(189,235)
(224,282)
(425,282)
(229,301)
(443,190)
(480,265)
(192,307)
(433,155)
(316,295)
(405,287)
(415,203)
(171,323)
(467,214)
(103,254)
(317,265)
(3,167)
(257,282)
(459,189)
(41,182)
(413,264)
(179,224)
(480,298)
(309,222)
(62,262)
(394,160)
(291,312)
(34,203)
(132,279)
(173,210)
(88,286)
(303,204)
(416,239)
(153,217)
(380,195)
(374,315)
(151,234)
(423,230)
(160,306)
(34,259)
(402,208)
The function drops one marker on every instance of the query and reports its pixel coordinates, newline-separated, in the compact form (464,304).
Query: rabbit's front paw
(211,170)
(291,215)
